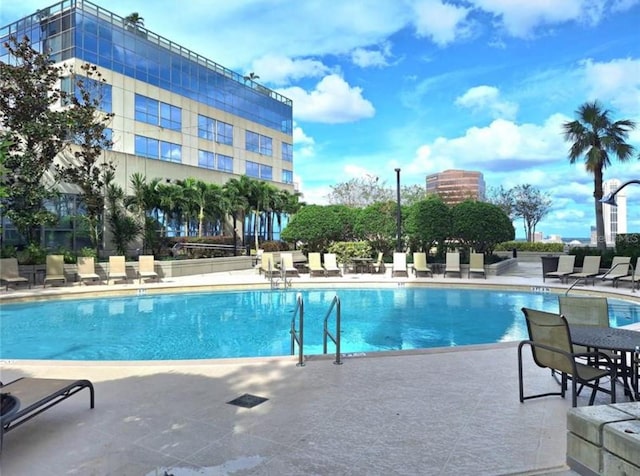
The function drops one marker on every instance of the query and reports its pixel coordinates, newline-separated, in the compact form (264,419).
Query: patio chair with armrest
(9,273)
(55,270)
(551,347)
(565,268)
(420,266)
(28,397)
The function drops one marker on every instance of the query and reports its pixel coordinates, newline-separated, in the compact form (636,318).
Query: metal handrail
(574,283)
(334,338)
(298,336)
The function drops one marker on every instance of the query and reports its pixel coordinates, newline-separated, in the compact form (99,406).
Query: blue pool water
(257,323)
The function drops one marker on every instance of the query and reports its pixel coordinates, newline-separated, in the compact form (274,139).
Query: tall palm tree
(134,19)
(595,136)
(238,203)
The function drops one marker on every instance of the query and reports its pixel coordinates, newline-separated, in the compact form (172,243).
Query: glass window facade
(225,163)
(287,152)
(80,29)
(261,171)
(170,152)
(146,147)
(213,130)
(206,159)
(158,113)
(255,142)
(287,176)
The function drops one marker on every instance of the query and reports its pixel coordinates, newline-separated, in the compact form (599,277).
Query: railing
(633,274)
(574,284)
(298,336)
(335,303)
(175,249)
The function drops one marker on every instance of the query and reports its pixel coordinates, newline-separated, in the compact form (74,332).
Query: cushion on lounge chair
(35,395)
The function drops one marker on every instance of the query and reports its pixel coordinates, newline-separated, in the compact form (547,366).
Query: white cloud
(304,145)
(333,101)
(523,17)
(617,82)
(280,70)
(443,22)
(487,98)
(366,58)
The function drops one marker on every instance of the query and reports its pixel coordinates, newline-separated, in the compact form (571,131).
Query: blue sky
(426,85)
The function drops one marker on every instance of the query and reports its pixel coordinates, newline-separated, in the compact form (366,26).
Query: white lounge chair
(117,269)
(619,269)
(55,269)
(399,264)
(565,268)
(315,265)
(286,265)
(9,272)
(452,264)
(146,268)
(331,265)
(476,265)
(420,266)
(590,269)
(87,269)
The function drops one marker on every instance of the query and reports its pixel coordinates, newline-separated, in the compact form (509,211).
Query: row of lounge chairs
(86,270)
(620,270)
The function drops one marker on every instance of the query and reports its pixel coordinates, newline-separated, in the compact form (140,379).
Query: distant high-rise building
(538,237)
(455,186)
(615,218)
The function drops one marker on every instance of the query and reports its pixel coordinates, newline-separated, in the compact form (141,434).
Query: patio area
(447,411)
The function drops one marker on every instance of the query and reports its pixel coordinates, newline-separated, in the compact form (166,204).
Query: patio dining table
(362,265)
(624,341)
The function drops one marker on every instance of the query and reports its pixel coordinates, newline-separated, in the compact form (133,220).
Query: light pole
(398,214)
(610,199)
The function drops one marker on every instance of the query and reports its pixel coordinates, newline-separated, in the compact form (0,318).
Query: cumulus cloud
(333,101)
(366,58)
(487,98)
(442,22)
(280,70)
(304,145)
(617,82)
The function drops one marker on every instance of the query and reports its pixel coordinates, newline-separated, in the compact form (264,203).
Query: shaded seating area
(565,268)
(55,270)
(476,265)
(147,268)
(399,264)
(420,266)
(27,397)
(551,348)
(331,267)
(452,264)
(87,269)
(619,268)
(590,269)
(9,273)
(117,269)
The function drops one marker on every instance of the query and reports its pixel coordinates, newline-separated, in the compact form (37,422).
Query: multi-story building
(455,186)
(176,114)
(615,218)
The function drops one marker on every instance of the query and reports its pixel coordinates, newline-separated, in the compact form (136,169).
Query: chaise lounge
(25,398)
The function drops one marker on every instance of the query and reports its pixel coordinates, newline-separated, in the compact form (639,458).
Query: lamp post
(398,214)
(610,199)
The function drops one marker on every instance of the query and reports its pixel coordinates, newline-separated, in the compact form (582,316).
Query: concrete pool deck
(449,411)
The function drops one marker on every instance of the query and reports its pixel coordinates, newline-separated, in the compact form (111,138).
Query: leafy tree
(595,137)
(428,223)
(531,205)
(360,192)
(377,224)
(318,226)
(411,194)
(4,152)
(124,227)
(504,199)
(480,225)
(35,132)
(84,164)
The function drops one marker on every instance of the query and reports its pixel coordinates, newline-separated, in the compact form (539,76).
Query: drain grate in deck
(247,401)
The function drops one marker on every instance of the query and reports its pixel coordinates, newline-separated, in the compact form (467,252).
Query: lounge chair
(631,278)
(452,264)
(551,347)
(55,269)
(286,265)
(315,265)
(267,264)
(9,273)
(146,268)
(590,269)
(399,264)
(565,268)
(420,266)
(476,265)
(28,397)
(619,269)
(117,269)
(378,266)
(87,269)
(331,265)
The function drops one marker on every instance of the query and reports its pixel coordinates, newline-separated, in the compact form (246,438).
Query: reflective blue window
(170,116)
(205,159)
(287,152)
(252,141)
(170,152)
(266,172)
(287,176)
(146,147)
(146,110)
(205,127)
(225,163)
(266,145)
(224,133)
(252,169)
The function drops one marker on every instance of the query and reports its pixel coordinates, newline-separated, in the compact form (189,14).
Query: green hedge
(529,246)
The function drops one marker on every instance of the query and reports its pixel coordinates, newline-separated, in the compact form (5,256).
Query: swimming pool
(256,323)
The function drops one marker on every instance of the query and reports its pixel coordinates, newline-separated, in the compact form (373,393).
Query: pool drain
(247,401)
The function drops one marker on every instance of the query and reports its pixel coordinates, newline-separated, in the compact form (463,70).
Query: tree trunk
(601,241)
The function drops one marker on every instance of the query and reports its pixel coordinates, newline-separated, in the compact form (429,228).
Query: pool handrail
(335,303)
(297,336)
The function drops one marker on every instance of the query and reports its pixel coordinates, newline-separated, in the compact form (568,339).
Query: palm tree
(595,136)
(251,76)
(134,19)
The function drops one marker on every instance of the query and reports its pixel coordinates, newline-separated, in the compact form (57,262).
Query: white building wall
(615,218)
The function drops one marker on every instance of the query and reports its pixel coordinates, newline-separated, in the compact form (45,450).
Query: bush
(345,250)
(529,246)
